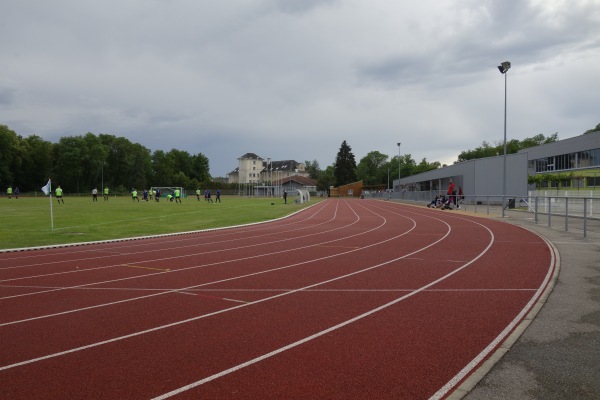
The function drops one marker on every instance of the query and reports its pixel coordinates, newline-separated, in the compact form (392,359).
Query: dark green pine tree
(345,166)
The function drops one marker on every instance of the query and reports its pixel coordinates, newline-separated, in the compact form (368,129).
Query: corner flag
(46,189)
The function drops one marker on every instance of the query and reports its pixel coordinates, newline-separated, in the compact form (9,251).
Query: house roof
(250,156)
(285,165)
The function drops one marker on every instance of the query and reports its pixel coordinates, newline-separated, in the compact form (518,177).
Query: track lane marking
(198,266)
(330,329)
(73,350)
(125,242)
(143,267)
(177,257)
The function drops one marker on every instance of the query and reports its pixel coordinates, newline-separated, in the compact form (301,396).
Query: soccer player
(95,194)
(106,193)
(177,196)
(59,193)
(134,196)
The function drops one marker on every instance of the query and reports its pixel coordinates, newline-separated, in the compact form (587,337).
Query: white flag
(46,189)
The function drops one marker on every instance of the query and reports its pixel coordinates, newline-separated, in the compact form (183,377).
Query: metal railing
(575,211)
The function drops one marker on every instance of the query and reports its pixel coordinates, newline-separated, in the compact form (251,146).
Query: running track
(348,299)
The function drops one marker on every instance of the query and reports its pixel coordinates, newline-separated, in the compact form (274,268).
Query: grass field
(26,222)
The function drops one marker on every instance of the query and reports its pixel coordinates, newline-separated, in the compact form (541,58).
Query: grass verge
(26,222)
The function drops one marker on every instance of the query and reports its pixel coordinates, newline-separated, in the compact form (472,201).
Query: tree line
(80,163)
(375,169)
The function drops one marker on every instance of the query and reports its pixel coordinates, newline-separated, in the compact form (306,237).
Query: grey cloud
(293,79)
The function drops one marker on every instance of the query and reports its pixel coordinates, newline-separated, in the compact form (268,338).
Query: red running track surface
(358,299)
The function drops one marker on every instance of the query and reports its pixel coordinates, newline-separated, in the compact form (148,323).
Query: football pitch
(30,222)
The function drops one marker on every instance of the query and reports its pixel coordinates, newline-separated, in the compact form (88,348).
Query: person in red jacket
(451,194)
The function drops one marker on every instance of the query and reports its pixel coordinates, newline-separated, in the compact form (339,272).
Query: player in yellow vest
(134,196)
(198,194)
(59,193)
(9,192)
(177,196)
(106,193)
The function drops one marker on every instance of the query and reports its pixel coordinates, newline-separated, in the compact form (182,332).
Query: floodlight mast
(399,157)
(503,68)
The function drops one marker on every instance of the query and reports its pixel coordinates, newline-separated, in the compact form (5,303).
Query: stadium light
(503,68)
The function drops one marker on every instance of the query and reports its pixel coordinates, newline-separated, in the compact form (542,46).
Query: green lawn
(26,222)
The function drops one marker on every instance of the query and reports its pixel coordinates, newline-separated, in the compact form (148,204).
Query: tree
(163,169)
(9,155)
(536,180)
(127,164)
(312,167)
(93,156)
(512,146)
(425,166)
(80,163)
(69,163)
(372,168)
(141,167)
(37,162)
(596,129)
(200,169)
(485,150)
(345,166)
(326,179)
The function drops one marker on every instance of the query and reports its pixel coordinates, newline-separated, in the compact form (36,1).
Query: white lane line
(200,266)
(235,290)
(324,332)
(278,240)
(441,393)
(122,244)
(220,311)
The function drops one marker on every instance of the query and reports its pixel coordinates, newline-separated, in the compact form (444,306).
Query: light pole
(399,163)
(504,67)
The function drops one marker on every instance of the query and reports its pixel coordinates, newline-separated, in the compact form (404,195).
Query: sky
(291,80)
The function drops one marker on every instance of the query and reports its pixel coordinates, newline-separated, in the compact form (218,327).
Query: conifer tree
(345,166)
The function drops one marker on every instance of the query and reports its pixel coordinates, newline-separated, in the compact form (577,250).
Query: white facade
(253,169)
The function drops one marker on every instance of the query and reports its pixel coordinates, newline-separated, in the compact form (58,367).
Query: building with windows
(253,170)
(577,158)
(576,161)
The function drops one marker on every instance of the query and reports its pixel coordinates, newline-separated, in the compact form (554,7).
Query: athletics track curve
(358,299)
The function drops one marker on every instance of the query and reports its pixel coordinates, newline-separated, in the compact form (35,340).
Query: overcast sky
(291,79)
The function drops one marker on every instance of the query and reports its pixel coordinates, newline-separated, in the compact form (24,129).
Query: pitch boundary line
(114,254)
(167,258)
(64,245)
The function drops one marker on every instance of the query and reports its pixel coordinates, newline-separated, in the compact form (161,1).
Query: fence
(569,210)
